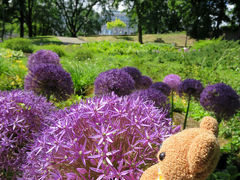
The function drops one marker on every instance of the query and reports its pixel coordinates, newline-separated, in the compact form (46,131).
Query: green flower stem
(219,119)
(172,107)
(185,120)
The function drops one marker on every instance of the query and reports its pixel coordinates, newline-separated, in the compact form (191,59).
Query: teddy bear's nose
(162,156)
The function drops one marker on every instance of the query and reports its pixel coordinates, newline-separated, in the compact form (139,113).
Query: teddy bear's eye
(162,156)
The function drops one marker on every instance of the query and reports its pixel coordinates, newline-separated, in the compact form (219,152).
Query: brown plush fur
(189,155)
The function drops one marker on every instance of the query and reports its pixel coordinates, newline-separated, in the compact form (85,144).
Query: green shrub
(82,54)
(12,73)
(55,48)
(19,44)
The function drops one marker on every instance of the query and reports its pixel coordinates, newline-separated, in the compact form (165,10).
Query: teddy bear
(191,154)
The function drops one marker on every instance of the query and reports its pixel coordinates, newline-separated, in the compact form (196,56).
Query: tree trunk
(73,33)
(29,18)
(140,33)
(3,24)
(139,15)
(21,19)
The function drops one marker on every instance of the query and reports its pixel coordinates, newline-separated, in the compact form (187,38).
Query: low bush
(60,50)
(82,54)
(12,70)
(19,44)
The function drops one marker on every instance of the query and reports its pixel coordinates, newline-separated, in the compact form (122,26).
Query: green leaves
(116,24)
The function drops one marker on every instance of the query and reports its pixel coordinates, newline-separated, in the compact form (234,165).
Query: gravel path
(70,40)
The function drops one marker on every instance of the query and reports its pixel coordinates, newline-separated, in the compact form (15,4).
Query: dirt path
(70,40)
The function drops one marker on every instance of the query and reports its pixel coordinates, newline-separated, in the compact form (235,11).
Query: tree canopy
(199,18)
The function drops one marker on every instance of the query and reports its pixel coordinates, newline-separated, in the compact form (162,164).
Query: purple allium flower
(190,87)
(105,137)
(158,97)
(173,80)
(220,99)
(164,87)
(43,56)
(49,79)
(22,117)
(134,73)
(145,82)
(114,80)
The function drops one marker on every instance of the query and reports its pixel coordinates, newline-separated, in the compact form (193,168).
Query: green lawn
(172,38)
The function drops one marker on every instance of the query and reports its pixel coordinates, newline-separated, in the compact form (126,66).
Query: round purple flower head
(190,87)
(145,82)
(107,137)
(161,86)
(160,100)
(43,56)
(173,81)
(220,99)
(49,79)
(114,80)
(134,73)
(22,117)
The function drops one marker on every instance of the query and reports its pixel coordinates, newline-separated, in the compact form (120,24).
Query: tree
(29,16)
(117,23)
(158,18)
(7,11)
(93,25)
(235,19)
(21,16)
(76,12)
(135,7)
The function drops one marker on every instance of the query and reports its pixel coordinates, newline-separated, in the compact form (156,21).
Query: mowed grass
(171,38)
(43,40)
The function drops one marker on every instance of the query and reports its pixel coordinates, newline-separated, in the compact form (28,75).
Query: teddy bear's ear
(203,153)
(210,124)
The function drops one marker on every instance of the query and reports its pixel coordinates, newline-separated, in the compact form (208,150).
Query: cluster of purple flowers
(220,99)
(163,87)
(22,117)
(134,73)
(141,82)
(114,80)
(145,82)
(190,87)
(173,81)
(159,99)
(105,137)
(43,56)
(121,81)
(47,77)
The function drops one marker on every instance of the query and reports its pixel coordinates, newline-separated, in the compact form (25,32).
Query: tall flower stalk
(173,81)
(190,88)
(188,106)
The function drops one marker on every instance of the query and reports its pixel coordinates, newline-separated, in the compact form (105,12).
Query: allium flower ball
(220,99)
(43,56)
(173,80)
(161,86)
(114,80)
(160,100)
(49,79)
(134,73)
(105,137)
(145,82)
(22,117)
(190,87)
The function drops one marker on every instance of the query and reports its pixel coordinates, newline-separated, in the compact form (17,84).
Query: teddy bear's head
(189,155)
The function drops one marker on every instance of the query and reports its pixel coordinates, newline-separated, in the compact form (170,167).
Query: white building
(119,31)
